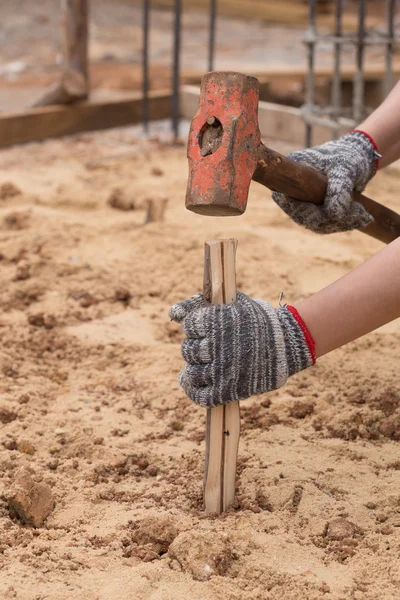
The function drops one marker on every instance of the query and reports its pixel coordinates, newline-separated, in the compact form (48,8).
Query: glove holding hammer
(349,163)
(233,351)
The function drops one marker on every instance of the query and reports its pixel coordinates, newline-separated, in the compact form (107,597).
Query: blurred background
(262,38)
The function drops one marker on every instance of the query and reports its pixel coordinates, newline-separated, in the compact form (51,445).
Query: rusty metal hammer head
(223,142)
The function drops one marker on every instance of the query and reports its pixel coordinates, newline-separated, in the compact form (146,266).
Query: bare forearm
(356,304)
(383,125)
(390,155)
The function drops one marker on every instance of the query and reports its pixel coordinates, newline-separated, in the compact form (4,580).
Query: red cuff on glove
(371,139)
(307,335)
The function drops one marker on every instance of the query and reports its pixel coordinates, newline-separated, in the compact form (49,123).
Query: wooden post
(223,422)
(74,82)
(155,208)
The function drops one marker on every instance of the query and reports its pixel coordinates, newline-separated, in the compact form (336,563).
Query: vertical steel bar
(358,82)
(145,65)
(310,41)
(388,83)
(176,69)
(211,38)
(336,98)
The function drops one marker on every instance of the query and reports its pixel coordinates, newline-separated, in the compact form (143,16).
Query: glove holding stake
(237,350)
(235,347)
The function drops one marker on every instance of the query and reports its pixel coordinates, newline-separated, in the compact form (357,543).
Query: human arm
(234,351)
(349,163)
(383,125)
(361,301)
(390,156)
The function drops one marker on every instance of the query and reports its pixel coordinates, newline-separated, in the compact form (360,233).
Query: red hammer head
(223,142)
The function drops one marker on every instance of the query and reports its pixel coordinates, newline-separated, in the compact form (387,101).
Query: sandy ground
(91,406)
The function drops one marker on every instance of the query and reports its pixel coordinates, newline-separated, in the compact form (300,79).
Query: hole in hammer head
(210,136)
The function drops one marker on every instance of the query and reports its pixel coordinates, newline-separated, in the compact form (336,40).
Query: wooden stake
(155,208)
(74,82)
(223,422)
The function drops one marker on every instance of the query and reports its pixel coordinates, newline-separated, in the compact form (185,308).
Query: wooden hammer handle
(281,174)
(223,422)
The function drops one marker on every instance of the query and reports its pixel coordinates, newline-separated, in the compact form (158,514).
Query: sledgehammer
(225,153)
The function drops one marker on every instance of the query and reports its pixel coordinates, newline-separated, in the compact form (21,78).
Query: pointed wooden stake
(223,422)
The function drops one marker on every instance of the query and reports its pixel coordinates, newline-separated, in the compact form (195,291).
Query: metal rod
(310,41)
(211,38)
(145,65)
(385,38)
(336,82)
(176,69)
(388,83)
(358,82)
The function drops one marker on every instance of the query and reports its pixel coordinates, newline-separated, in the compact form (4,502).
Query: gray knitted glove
(349,163)
(233,351)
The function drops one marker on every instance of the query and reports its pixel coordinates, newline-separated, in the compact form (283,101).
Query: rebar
(145,65)
(211,37)
(388,83)
(385,38)
(310,41)
(337,81)
(176,69)
(358,81)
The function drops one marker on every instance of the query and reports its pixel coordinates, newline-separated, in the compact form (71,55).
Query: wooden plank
(286,123)
(276,121)
(281,123)
(289,12)
(273,11)
(189,100)
(37,124)
(223,422)
(297,73)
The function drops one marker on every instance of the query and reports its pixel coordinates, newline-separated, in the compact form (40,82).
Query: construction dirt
(102,454)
